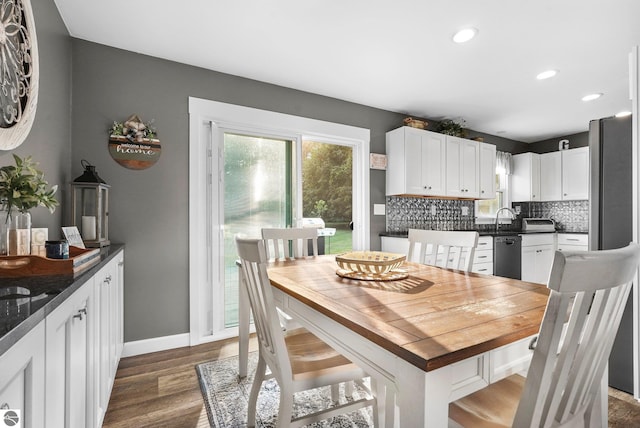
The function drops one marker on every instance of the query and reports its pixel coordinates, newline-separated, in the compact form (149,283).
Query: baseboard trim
(155,344)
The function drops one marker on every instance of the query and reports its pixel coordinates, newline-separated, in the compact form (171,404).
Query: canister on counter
(57,249)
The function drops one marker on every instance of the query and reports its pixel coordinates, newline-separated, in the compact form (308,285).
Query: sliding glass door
(258,193)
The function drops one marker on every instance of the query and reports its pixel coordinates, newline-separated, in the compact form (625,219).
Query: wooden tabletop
(433,318)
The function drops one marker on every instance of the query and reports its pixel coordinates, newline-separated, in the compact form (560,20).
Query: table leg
(423,398)
(244,320)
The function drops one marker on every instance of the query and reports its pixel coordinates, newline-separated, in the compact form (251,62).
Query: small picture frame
(72,235)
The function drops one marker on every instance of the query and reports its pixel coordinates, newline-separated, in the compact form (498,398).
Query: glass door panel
(257,193)
(327,192)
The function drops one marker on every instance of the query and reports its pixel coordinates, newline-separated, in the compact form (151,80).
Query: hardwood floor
(161,389)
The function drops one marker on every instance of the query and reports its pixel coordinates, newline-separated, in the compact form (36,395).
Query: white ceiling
(398,55)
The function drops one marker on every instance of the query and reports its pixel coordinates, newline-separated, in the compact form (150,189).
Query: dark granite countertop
(26,301)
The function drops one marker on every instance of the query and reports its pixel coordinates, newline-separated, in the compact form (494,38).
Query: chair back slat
(589,291)
(290,243)
(253,262)
(448,249)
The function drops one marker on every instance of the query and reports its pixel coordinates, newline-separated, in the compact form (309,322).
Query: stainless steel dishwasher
(507,256)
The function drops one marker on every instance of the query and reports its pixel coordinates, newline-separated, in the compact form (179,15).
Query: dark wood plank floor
(161,389)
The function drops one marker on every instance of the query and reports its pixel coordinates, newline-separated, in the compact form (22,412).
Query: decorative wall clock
(18,72)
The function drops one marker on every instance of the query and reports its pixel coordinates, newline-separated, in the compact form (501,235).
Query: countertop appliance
(538,225)
(507,259)
(610,222)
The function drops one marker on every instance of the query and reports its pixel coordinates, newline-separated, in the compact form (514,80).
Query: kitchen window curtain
(503,163)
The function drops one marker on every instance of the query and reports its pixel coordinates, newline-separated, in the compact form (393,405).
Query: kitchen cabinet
(22,377)
(415,162)
(537,257)
(463,166)
(573,242)
(575,174)
(555,176)
(482,259)
(551,176)
(425,163)
(487,171)
(525,177)
(69,351)
(108,291)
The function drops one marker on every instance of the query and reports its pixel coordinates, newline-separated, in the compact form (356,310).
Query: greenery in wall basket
(23,186)
(451,127)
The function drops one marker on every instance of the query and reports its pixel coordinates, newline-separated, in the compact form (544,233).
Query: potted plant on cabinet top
(22,187)
(452,127)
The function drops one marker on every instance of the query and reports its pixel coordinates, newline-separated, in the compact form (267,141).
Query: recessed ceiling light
(465,35)
(591,97)
(546,74)
(623,114)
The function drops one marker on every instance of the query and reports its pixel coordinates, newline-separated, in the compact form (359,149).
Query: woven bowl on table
(370,262)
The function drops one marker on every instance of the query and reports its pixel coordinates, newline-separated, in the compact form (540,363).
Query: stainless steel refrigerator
(610,221)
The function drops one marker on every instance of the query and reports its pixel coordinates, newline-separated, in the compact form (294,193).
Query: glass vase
(20,234)
(5,224)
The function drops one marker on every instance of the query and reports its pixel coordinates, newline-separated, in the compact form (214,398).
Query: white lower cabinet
(537,257)
(60,374)
(69,353)
(573,242)
(22,378)
(108,289)
(482,259)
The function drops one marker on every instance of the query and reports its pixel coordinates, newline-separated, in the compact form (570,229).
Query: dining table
(429,339)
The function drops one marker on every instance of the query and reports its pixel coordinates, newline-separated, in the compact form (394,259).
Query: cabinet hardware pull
(83,311)
(78,315)
(533,343)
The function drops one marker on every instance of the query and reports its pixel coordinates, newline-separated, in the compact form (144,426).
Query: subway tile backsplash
(404,213)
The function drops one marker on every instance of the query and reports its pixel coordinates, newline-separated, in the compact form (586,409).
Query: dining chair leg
(285,410)
(255,389)
(335,393)
(349,387)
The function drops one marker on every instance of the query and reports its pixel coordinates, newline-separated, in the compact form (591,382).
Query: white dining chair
(298,360)
(443,248)
(288,243)
(564,384)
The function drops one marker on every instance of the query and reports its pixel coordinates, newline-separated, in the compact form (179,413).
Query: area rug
(226,398)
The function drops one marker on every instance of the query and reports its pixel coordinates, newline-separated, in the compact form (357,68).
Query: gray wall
(49,141)
(580,139)
(149,207)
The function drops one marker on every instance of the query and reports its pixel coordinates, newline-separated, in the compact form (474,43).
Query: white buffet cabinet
(60,374)
(426,163)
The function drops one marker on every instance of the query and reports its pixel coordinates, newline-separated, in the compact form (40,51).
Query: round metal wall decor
(134,143)
(18,72)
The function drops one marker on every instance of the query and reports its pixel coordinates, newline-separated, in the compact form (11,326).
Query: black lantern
(90,207)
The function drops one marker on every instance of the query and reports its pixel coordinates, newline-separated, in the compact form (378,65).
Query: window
(486,209)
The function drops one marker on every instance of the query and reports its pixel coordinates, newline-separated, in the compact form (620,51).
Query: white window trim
(203,152)
(506,200)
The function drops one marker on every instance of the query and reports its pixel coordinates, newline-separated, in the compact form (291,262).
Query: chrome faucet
(513,215)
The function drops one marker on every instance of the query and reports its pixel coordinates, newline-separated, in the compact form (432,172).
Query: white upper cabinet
(426,163)
(551,176)
(555,176)
(487,171)
(525,177)
(415,162)
(463,167)
(575,174)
